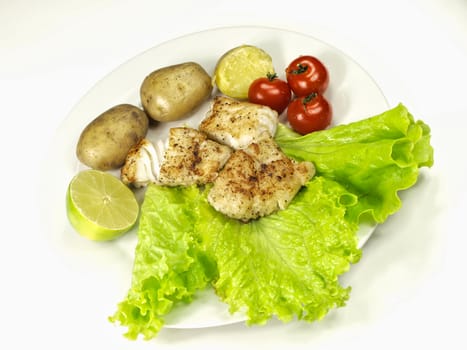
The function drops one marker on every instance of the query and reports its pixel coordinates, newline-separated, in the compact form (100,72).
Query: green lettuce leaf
(373,158)
(169,267)
(286,265)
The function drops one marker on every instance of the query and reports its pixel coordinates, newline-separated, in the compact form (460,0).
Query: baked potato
(106,140)
(172,92)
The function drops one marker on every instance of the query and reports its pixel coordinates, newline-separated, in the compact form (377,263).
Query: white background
(409,289)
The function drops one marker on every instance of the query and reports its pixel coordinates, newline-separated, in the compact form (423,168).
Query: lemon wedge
(100,207)
(238,67)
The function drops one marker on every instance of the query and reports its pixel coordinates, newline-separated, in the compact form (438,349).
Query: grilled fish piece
(237,124)
(191,158)
(258,181)
(142,164)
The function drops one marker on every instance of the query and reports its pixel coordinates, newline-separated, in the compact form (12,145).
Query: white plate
(353,93)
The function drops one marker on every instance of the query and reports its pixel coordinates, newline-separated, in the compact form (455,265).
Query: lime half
(99,206)
(238,67)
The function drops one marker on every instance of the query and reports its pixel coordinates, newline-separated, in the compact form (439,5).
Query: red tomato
(307,74)
(270,91)
(309,113)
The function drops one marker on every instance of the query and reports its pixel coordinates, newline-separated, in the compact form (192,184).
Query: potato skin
(105,141)
(171,92)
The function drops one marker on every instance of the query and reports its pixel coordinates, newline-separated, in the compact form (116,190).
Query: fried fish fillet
(258,181)
(142,164)
(191,158)
(237,124)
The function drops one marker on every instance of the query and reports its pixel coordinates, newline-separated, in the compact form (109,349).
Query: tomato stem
(271,76)
(302,68)
(309,97)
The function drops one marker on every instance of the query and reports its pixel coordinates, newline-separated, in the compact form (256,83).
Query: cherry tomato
(270,91)
(307,74)
(309,113)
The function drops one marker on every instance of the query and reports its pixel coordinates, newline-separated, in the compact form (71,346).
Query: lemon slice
(238,67)
(99,206)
